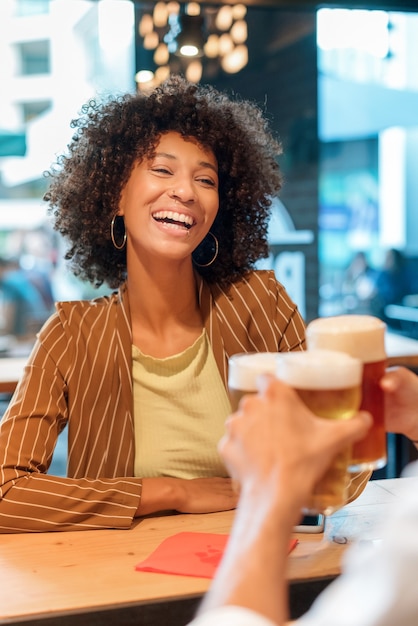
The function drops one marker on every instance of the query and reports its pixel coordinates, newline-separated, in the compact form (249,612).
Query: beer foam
(245,368)
(319,369)
(360,336)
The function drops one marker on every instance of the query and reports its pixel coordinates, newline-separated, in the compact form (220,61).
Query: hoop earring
(112,233)
(215,253)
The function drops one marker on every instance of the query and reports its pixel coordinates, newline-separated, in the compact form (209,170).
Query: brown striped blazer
(80,374)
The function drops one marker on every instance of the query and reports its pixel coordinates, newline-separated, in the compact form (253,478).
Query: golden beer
(244,371)
(329,383)
(362,337)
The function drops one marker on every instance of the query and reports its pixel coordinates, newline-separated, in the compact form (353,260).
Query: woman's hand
(207,495)
(197,495)
(401,402)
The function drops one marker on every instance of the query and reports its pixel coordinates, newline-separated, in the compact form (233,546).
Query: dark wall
(282,77)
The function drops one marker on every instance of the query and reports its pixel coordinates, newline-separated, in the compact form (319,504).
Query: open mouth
(174,218)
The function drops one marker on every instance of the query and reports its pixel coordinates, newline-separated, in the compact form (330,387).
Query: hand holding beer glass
(329,383)
(362,337)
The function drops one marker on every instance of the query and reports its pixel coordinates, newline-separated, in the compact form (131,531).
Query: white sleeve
(231,616)
(378,583)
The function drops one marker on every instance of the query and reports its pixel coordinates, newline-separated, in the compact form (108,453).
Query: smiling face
(171,199)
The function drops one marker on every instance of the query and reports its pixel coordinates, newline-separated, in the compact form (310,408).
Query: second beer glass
(244,370)
(329,383)
(362,337)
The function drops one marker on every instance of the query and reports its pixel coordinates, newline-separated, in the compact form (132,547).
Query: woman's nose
(183,191)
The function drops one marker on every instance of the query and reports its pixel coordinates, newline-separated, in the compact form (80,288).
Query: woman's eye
(207,181)
(161,170)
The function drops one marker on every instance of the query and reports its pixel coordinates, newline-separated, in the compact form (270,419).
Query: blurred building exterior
(55,55)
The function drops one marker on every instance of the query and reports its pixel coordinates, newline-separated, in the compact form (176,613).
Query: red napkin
(189,554)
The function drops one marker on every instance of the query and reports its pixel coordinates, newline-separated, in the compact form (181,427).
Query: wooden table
(89,577)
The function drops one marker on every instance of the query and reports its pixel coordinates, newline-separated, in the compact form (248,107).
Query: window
(368,98)
(31,110)
(34,57)
(31,7)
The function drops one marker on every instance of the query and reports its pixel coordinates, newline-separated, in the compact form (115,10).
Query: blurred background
(339,84)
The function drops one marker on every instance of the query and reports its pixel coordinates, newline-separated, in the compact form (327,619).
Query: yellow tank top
(180,407)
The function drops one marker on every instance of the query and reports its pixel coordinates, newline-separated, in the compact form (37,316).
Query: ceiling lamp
(191,37)
(198,41)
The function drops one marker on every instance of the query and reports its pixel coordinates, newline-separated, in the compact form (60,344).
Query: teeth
(174,216)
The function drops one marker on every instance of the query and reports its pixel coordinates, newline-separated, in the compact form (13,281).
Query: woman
(165,197)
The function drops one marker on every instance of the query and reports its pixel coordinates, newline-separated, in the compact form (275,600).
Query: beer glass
(244,369)
(329,383)
(362,337)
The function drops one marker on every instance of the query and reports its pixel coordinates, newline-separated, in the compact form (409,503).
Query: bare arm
(253,571)
(277,450)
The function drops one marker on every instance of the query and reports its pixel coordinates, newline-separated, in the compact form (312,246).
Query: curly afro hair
(113,135)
